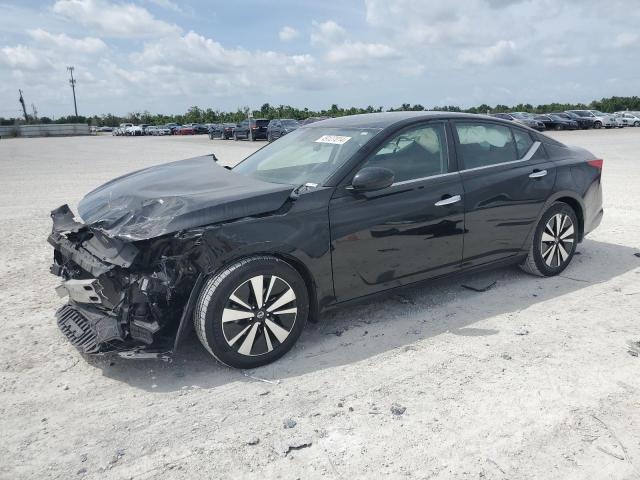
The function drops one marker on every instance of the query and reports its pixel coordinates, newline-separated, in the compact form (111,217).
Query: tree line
(209,115)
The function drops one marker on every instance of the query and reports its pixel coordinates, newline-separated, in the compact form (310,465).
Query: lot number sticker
(335,139)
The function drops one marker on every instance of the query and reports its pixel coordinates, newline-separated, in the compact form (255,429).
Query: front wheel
(597,125)
(554,242)
(252,312)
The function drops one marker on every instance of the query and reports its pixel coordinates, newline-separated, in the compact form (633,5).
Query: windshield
(597,113)
(306,155)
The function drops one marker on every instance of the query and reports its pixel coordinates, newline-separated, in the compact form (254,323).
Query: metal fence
(48,130)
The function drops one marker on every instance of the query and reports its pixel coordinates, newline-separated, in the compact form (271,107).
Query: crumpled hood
(176,196)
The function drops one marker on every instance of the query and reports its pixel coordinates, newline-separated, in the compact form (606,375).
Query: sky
(164,56)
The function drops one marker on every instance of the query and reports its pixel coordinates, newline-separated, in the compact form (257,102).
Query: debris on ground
(397,410)
(522,331)
(253,441)
(633,348)
(296,443)
(479,285)
(337,333)
(506,356)
(289,423)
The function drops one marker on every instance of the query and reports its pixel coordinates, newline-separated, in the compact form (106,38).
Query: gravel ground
(530,379)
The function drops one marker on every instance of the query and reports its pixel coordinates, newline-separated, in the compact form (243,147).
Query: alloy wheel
(557,241)
(259,315)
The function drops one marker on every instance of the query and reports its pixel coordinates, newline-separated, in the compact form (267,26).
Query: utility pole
(24,109)
(72,82)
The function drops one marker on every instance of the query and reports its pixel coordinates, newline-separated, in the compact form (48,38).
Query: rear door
(407,232)
(507,178)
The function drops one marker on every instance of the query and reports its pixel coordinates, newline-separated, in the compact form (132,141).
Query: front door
(404,233)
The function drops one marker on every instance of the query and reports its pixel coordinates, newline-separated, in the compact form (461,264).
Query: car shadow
(395,321)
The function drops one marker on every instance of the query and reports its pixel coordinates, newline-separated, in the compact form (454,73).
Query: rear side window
(484,144)
(523,142)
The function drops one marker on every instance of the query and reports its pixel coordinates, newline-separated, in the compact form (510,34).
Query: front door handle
(448,201)
(538,174)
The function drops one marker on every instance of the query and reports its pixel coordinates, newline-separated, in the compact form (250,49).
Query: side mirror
(371,178)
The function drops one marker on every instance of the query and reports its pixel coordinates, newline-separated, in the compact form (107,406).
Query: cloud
(327,33)
(168,5)
(83,45)
(114,19)
(503,53)
(358,52)
(22,58)
(626,39)
(287,34)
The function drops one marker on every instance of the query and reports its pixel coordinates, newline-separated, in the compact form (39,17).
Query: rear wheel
(558,127)
(636,124)
(252,312)
(554,242)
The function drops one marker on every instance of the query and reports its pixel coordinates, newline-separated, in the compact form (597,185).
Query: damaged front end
(122,296)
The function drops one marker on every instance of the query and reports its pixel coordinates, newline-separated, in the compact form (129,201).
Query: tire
(262,335)
(558,127)
(269,137)
(636,124)
(546,257)
(250,136)
(597,125)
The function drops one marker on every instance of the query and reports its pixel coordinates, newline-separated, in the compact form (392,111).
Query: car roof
(385,119)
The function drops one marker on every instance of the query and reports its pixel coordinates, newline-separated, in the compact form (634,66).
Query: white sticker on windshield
(335,139)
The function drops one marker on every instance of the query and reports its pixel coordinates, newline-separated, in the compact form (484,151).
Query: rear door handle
(538,174)
(448,201)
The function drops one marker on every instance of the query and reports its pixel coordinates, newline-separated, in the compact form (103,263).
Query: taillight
(596,163)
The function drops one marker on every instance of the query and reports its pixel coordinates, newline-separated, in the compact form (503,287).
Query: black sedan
(523,119)
(280,127)
(335,211)
(555,122)
(584,123)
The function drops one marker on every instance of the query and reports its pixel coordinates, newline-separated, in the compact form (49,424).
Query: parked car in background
(105,129)
(253,129)
(162,130)
(121,129)
(150,130)
(133,131)
(143,128)
(584,123)
(633,118)
(554,122)
(599,119)
(523,119)
(200,129)
(280,127)
(621,121)
(223,131)
(185,130)
(174,127)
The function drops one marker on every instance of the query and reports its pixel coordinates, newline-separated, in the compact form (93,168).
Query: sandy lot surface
(530,379)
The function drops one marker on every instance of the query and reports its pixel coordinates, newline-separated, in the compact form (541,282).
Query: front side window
(306,155)
(484,144)
(416,153)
